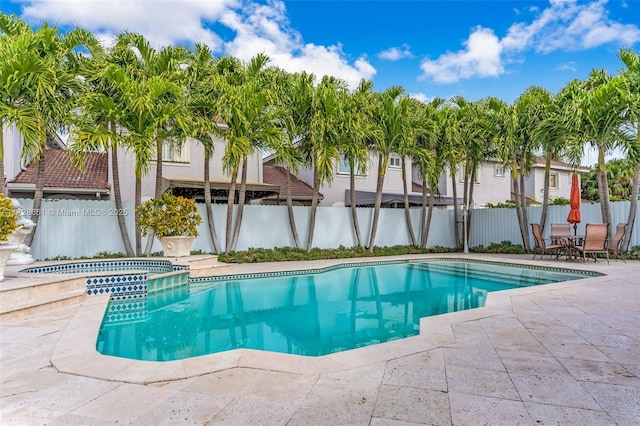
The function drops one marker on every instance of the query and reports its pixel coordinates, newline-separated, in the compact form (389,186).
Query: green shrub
(169,216)
(8,218)
(282,254)
(502,247)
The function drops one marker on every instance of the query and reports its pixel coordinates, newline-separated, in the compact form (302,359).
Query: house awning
(368,198)
(194,188)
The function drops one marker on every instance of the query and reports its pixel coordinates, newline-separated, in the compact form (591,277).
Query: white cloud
(265,29)
(396,53)
(563,25)
(258,28)
(568,66)
(480,58)
(420,97)
(161,22)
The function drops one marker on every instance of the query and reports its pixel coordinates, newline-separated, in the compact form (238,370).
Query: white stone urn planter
(5,252)
(179,246)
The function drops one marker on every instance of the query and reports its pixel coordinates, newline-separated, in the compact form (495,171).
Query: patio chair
(558,231)
(595,241)
(542,245)
(616,242)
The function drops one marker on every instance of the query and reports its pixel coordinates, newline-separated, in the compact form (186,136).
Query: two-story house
(493,183)
(183,172)
(337,192)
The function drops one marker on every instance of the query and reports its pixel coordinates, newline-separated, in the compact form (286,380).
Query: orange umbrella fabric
(574,201)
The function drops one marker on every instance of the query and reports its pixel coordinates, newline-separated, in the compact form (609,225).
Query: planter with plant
(173,220)
(8,225)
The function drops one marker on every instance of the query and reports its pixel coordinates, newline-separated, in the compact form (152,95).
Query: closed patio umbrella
(574,202)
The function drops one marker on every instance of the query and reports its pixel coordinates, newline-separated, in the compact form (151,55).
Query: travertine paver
(468,409)
(566,353)
(473,381)
(416,405)
(337,401)
(424,370)
(547,414)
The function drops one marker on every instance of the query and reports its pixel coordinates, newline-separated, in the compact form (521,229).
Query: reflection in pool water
(306,314)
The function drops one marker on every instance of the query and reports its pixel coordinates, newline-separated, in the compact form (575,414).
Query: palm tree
(295,96)
(597,120)
(321,148)
(167,64)
(202,105)
(450,151)
(45,95)
(247,106)
(477,132)
(97,124)
(630,91)
(392,123)
(429,161)
(356,127)
(141,111)
(540,112)
(21,72)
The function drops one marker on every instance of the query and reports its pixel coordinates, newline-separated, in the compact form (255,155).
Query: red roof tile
(416,187)
(59,172)
(277,175)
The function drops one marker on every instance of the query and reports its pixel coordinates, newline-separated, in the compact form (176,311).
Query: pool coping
(75,351)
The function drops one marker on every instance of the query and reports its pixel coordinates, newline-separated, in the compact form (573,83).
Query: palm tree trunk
(382,168)
(407,212)
(427,225)
(4,181)
(525,219)
(117,196)
(545,199)
(456,229)
(314,207)
(465,203)
(518,201)
(241,198)
(603,190)
(207,204)
(633,208)
(292,219)
(470,203)
(231,200)
(37,196)
(352,197)
(138,200)
(423,211)
(158,191)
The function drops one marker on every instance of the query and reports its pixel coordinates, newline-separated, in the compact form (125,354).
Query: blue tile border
(122,285)
(95,266)
(387,262)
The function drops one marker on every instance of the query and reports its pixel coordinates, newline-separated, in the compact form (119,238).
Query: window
(554,182)
(175,154)
(344,168)
(394,161)
(462,171)
(498,171)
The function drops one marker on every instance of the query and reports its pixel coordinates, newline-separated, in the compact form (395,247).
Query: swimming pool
(304,313)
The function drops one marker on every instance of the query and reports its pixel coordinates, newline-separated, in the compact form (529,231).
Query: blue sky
(431,48)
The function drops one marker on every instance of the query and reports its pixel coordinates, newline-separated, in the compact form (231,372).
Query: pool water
(306,314)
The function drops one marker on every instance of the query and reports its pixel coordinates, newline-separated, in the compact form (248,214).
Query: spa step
(205,262)
(21,290)
(10,312)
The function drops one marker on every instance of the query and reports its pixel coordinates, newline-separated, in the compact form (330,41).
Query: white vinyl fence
(77,228)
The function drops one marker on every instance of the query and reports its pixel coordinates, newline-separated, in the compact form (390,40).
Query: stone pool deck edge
(75,352)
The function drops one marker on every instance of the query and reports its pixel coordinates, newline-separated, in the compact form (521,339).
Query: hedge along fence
(83,228)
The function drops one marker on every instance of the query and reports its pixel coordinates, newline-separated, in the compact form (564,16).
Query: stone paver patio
(564,353)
